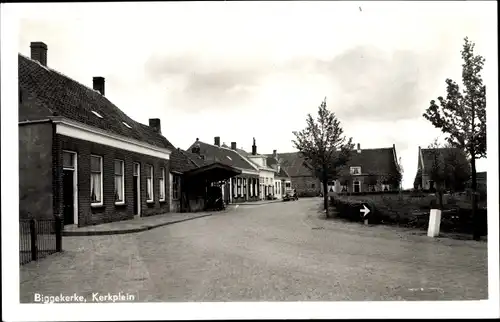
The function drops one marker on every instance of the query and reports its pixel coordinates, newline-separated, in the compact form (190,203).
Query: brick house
(240,188)
(301,174)
(80,156)
(369,170)
(366,170)
(282,179)
(426,159)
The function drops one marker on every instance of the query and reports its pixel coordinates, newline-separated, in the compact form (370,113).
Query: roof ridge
(50,69)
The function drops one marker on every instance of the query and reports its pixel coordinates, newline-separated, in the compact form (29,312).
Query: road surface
(275,252)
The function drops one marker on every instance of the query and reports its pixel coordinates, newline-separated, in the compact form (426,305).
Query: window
(313,185)
(355,170)
(149,183)
(239,187)
(244,186)
(119,182)
(371,187)
(175,187)
(233,183)
(250,187)
(96,180)
(68,162)
(356,185)
(162,184)
(344,188)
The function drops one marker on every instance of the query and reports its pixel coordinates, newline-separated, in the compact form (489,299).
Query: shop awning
(213,172)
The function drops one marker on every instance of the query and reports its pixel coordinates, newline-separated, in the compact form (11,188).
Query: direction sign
(364,210)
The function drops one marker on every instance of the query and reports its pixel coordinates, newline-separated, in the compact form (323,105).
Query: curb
(256,204)
(126,231)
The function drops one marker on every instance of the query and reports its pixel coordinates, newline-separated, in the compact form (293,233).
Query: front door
(137,194)
(68,197)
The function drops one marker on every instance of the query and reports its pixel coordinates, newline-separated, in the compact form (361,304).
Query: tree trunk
(475,217)
(325,194)
(439,193)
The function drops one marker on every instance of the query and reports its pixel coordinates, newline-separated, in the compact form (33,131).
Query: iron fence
(39,238)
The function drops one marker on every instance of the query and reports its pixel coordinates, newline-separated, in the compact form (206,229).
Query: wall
(109,212)
(269,175)
(244,198)
(35,170)
(304,186)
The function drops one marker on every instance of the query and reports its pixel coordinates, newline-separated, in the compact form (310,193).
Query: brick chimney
(233,145)
(217,140)
(98,84)
(254,148)
(275,154)
(359,148)
(39,52)
(155,124)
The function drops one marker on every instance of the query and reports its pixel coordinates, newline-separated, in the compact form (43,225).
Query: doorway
(70,188)
(137,189)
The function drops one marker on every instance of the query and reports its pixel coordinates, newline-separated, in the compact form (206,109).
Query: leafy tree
(462,115)
(324,146)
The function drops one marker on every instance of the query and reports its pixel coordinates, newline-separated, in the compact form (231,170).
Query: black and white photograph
(249,160)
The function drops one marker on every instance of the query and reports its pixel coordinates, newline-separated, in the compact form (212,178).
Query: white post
(366,221)
(434,223)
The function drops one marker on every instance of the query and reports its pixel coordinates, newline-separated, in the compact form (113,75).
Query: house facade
(243,187)
(368,170)
(426,161)
(282,180)
(300,174)
(80,156)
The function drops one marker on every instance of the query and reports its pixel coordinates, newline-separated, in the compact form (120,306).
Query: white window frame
(244,186)
(74,157)
(352,170)
(162,185)
(151,174)
(356,183)
(238,184)
(101,202)
(123,181)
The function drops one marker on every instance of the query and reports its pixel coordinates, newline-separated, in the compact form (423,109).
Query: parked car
(290,194)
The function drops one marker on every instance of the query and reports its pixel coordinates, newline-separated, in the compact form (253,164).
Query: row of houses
(82,158)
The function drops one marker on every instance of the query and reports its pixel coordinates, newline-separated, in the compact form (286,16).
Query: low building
(301,174)
(190,178)
(241,188)
(369,170)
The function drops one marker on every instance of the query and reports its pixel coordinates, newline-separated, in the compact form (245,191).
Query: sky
(256,69)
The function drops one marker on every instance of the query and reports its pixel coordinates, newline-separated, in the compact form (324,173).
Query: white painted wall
(266,179)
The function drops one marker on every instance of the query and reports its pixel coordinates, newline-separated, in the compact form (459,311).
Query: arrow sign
(365,211)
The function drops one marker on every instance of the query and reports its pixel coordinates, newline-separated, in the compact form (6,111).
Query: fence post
(58,223)
(34,252)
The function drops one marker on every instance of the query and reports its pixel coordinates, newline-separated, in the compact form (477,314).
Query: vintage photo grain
(247,153)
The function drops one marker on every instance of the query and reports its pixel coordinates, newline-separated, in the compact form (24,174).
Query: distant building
(426,159)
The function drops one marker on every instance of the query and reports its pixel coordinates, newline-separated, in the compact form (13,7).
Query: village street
(274,252)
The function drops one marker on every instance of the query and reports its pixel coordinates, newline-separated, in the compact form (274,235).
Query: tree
(324,146)
(462,115)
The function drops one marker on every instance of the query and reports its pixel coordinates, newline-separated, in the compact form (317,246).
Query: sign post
(365,211)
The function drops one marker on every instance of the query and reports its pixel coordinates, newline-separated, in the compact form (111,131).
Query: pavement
(274,252)
(132,226)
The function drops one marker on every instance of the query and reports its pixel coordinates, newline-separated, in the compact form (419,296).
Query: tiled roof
(371,161)
(182,161)
(294,164)
(223,155)
(59,95)
(428,156)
